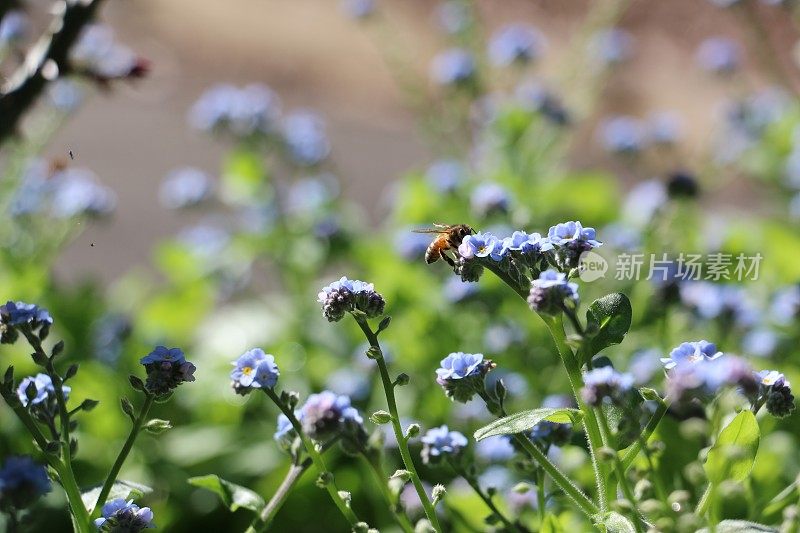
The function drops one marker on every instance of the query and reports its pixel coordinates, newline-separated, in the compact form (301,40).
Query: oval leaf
(120,489)
(519,422)
(734,453)
(610,318)
(233,496)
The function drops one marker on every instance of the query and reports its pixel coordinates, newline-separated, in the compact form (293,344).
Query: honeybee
(448,237)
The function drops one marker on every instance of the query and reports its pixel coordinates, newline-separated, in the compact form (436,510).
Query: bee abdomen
(432,253)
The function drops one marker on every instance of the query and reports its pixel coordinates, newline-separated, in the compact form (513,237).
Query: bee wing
(427,230)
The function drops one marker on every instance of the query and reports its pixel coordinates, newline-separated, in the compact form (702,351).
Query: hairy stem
(374,462)
(319,462)
(123,454)
(402,444)
(264,518)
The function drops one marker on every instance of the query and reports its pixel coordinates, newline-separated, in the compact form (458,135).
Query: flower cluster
(571,240)
(305,139)
(250,110)
(185,187)
(350,296)
(691,352)
(22,482)
(439,443)
(516,43)
(704,378)
(254,369)
(14,315)
(38,394)
(454,67)
(120,516)
(99,55)
(776,393)
(327,414)
(551,292)
(461,375)
(166,369)
(605,383)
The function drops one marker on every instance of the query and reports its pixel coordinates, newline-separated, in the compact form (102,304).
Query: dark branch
(27,83)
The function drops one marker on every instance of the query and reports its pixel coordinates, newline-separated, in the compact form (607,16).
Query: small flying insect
(448,237)
(71,155)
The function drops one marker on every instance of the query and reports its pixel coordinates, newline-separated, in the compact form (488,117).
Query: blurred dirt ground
(313,56)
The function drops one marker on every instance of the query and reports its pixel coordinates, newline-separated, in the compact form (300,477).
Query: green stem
(66,475)
(374,462)
(647,432)
(623,481)
(319,462)
(541,497)
(111,478)
(705,500)
(402,444)
(593,434)
(264,518)
(563,482)
(483,496)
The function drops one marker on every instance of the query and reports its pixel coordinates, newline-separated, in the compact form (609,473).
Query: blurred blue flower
(119,516)
(516,43)
(455,66)
(411,246)
(445,175)
(22,482)
(785,307)
(691,352)
(791,168)
(21,313)
(441,442)
(44,390)
(611,46)
(719,55)
(499,337)
(309,195)
(643,202)
(605,383)
(645,365)
(478,245)
(718,300)
(536,97)
(98,53)
(664,128)
(326,414)
(205,240)
(623,237)
(497,448)
(622,135)
(65,95)
(285,432)
(455,290)
(250,110)
(550,291)
(75,192)
(489,198)
(760,342)
(358,9)
(254,369)
(14,27)
(185,187)
(688,380)
(304,136)
(496,477)
(350,382)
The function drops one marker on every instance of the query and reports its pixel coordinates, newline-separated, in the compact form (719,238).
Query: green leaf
(125,490)
(519,422)
(551,525)
(739,526)
(233,496)
(609,318)
(614,522)
(734,453)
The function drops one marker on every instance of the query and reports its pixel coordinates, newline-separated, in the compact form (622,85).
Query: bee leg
(448,260)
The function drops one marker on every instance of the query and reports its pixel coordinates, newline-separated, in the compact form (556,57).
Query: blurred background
(314,56)
(670,126)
